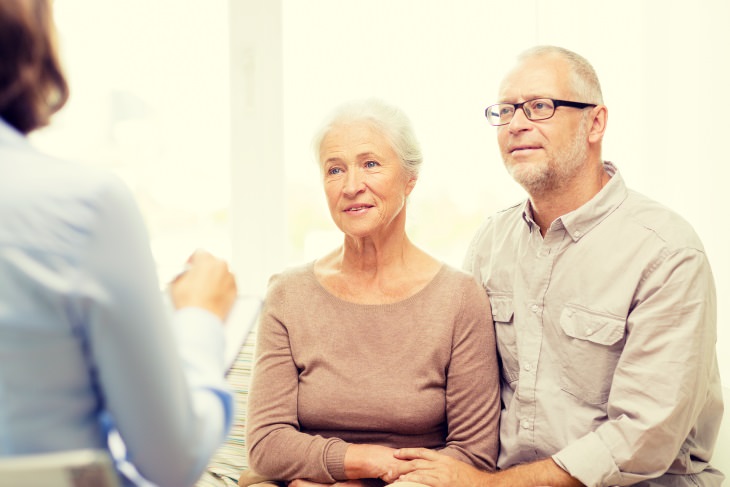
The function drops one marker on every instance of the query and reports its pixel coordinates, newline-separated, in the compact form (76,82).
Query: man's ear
(598,126)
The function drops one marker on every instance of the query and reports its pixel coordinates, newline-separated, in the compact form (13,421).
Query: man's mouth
(519,148)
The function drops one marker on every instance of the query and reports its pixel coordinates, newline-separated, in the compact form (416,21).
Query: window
(149,101)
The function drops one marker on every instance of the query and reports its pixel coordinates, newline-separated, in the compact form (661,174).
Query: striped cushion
(226,465)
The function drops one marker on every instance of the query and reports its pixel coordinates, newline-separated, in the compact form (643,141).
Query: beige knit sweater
(419,372)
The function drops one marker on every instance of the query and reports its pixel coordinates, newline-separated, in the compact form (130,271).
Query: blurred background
(206,108)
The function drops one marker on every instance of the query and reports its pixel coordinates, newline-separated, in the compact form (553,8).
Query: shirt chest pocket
(503,316)
(594,344)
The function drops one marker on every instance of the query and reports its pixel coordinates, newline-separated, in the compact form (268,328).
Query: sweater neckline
(415,296)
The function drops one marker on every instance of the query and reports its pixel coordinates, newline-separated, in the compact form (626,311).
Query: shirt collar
(8,133)
(527,214)
(582,220)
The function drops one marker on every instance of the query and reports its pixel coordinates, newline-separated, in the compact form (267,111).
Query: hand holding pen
(206,282)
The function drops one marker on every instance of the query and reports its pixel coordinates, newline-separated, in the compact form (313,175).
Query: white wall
(257,143)
(660,61)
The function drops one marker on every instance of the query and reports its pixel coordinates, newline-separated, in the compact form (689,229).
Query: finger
(198,254)
(396,471)
(416,453)
(417,479)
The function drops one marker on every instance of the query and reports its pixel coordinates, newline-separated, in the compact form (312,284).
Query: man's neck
(551,204)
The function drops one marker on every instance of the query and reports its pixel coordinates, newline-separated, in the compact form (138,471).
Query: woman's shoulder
(456,275)
(292,278)
(453,281)
(51,203)
(39,178)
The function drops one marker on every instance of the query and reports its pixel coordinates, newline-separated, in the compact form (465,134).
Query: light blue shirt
(84,332)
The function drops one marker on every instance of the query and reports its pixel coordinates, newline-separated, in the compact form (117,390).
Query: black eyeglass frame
(556,104)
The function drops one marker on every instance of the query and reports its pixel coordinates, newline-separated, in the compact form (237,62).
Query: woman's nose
(353,183)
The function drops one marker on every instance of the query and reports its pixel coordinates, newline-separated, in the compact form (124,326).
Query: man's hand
(437,470)
(434,469)
(348,483)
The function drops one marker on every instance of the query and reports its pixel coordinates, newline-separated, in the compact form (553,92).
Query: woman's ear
(410,184)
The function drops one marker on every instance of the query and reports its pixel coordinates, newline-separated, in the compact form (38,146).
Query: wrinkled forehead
(346,131)
(354,135)
(546,76)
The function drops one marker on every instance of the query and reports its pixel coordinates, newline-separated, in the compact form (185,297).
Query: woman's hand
(371,462)
(347,483)
(207,283)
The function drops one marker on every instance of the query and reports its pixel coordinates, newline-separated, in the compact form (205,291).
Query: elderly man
(603,302)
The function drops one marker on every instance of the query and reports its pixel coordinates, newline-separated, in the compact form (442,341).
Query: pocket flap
(588,325)
(502,309)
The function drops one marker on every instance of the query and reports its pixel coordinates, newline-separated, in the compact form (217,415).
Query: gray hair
(389,120)
(584,79)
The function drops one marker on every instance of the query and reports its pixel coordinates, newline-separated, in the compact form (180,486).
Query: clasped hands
(417,465)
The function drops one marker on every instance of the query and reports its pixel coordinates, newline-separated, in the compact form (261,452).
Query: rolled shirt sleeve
(661,383)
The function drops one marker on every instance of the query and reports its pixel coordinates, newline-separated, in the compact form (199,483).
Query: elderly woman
(376,345)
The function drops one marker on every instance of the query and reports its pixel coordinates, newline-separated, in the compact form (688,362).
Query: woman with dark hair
(32,86)
(86,342)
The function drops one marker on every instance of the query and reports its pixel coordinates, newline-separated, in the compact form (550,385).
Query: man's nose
(519,121)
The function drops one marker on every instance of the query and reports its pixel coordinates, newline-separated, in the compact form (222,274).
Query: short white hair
(389,120)
(584,80)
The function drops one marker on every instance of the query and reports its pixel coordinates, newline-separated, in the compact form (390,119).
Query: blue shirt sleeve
(161,374)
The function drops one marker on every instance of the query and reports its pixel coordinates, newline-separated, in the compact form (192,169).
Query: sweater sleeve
(277,448)
(472,394)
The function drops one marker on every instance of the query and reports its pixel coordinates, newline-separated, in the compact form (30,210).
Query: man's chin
(528,175)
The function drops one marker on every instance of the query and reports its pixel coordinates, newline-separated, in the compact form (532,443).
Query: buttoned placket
(536,267)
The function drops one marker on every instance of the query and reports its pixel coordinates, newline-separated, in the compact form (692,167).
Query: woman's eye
(371,164)
(334,171)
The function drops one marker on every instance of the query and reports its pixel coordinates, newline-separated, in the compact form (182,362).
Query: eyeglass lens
(538,109)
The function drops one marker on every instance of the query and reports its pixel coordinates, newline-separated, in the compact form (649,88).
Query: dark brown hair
(32,85)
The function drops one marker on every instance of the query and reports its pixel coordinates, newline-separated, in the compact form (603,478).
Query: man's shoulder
(658,219)
(497,229)
(510,215)
(511,210)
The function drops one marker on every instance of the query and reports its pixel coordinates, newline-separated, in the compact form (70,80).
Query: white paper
(240,321)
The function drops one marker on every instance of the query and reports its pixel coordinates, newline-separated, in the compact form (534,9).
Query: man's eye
(506,110)
(541,106)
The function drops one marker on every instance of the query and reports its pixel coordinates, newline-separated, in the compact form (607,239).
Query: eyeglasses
(537,109)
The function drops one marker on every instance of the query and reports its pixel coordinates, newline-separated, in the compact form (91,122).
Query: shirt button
(525,424)
(577,234)
(528,367)
(589,331)
(534,308)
